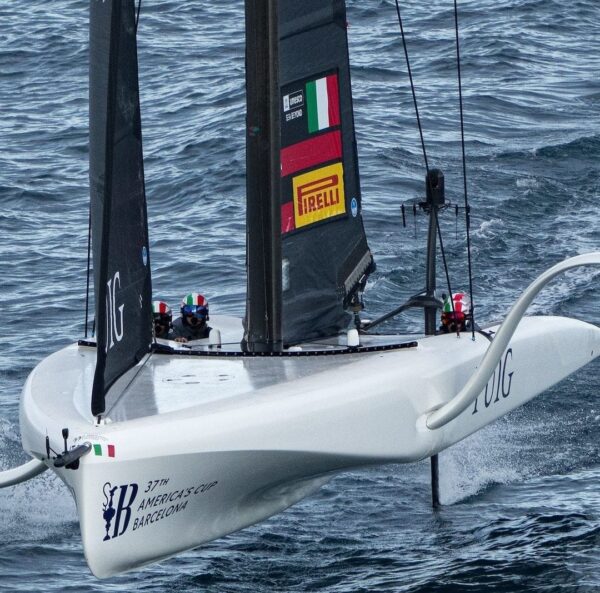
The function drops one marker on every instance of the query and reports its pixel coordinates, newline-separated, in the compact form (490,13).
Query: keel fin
(435,482)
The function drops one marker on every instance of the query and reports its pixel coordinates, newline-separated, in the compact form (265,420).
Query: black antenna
(65,436)
(435,200)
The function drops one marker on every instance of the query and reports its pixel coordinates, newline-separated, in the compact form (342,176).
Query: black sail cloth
(122,282)
(323,249)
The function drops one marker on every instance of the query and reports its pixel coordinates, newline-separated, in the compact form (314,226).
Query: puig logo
(114,330)
(500,382)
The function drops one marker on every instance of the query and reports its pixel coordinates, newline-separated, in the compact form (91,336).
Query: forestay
(122,283)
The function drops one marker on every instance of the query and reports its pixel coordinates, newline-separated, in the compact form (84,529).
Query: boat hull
(156,483)
(141,511)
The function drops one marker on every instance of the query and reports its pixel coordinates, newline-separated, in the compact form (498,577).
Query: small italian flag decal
(323,103)
(104,450)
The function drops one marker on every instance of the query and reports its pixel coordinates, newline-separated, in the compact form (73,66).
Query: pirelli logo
(319,194)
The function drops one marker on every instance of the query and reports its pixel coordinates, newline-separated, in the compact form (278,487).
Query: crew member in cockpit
(162,318)
(192,325)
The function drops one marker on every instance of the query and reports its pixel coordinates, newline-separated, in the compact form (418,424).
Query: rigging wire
(414,96)
(439,232)
(412,87)
(137,18)
(87,287)
(464,161)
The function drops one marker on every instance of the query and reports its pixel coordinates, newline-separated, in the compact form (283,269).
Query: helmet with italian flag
(161,309)
(460,303)
(162,317)
(195,305)
(456,310)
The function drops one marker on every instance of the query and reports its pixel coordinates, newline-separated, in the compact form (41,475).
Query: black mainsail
(312,212)
(122,283)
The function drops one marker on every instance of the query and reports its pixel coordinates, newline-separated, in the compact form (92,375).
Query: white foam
(488,228)
(487,457)
(36,509)
(528,182)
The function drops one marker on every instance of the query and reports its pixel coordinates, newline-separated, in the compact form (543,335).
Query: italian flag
(104,450)
(323,103)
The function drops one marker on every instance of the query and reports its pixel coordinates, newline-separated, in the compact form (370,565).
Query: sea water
(521,497)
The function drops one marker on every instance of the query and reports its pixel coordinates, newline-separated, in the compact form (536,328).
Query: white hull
(229,442)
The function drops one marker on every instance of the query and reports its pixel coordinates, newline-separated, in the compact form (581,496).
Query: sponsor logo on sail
(319,195)
(296,114)
(293,100)
(114,322)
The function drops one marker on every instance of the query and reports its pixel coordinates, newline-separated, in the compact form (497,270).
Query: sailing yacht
(164,446)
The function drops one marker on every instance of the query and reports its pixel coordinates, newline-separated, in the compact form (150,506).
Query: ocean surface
(521,498)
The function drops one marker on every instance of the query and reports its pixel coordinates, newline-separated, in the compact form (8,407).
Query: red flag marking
(311,152)
(288,222)
(334,100)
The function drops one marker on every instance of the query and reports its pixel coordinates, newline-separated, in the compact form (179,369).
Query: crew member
(455,312)
(192,323)
(163,318)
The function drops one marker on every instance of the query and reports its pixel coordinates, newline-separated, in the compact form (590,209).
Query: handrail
(24,472)
(477,382)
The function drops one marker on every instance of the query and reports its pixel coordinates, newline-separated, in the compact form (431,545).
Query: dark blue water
(522,497)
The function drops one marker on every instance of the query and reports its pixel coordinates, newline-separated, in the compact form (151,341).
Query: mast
(435,199)
(262,324)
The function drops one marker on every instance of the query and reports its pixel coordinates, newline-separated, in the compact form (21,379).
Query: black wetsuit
(182,330)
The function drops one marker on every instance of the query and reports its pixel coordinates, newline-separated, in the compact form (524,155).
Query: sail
(306,261)
(324,248)
(122,283)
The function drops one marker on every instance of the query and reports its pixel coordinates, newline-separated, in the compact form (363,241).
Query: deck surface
(171,382)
